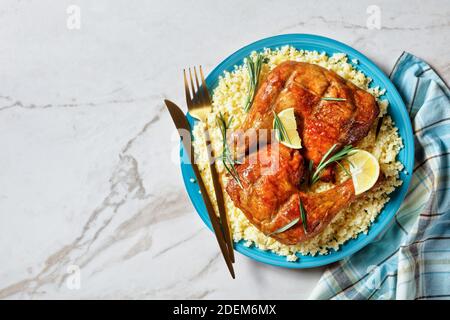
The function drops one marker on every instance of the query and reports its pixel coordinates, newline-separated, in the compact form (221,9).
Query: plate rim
(333,256)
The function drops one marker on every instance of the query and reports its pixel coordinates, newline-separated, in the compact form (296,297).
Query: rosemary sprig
(303,215)
(280,130)
(350,163)
(254,69)
(226,156)
(327,160)
(295,221)
(333,99)
(343,168)
(286,227)
(310,171)
(310,166)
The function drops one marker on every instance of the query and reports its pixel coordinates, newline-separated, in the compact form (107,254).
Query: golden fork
(199,105)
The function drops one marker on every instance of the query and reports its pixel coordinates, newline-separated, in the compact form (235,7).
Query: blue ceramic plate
(397,111)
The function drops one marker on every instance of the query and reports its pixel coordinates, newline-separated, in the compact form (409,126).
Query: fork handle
(219,194)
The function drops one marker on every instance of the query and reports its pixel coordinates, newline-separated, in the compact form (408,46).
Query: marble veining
(91,178)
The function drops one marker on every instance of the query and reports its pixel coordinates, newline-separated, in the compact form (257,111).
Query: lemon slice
(365,170)
(289,126)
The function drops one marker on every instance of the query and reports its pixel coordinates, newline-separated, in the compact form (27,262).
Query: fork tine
(198,93)
(205,88)
(201,92)
(187,91)
(193,88)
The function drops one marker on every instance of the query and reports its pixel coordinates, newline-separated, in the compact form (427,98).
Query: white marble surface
(87,174)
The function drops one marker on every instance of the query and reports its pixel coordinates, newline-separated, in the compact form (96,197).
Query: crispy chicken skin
(268,181)
(270,195)
(321,124)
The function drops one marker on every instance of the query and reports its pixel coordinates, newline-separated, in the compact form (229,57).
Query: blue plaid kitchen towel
(411,260)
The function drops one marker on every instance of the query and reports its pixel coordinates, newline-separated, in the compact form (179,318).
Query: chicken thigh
(270,195)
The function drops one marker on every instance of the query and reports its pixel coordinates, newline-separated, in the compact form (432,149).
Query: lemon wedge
(288,129)
(365,170)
